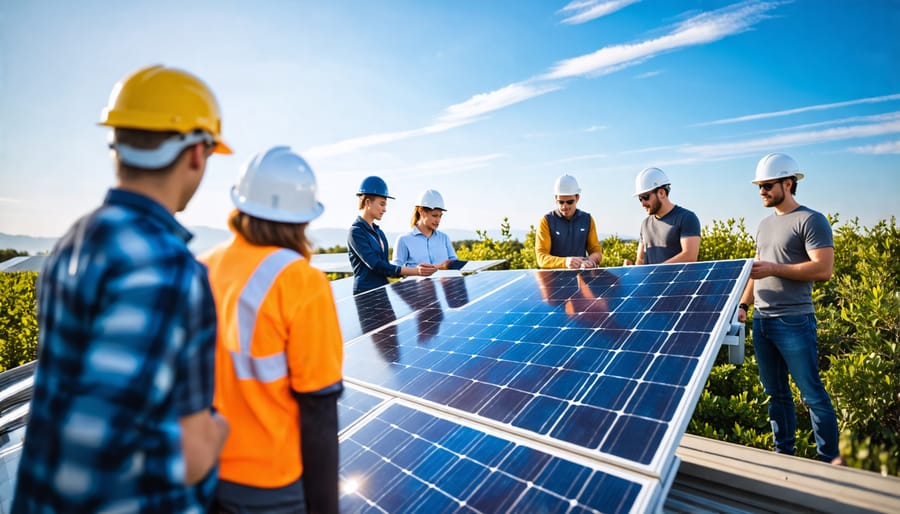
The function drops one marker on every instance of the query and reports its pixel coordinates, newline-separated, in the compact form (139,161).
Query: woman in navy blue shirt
(368,245)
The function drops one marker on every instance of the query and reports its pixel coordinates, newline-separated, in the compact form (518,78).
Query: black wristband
(744,306)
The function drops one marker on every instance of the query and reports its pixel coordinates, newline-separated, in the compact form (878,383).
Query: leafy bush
(518,255)
(725,240)
(616,250)
(858,311)
(858,314)
(18,319)
(9,253)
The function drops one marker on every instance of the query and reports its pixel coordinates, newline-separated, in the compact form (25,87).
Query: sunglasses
(768,185)
(644,197)
(565,202)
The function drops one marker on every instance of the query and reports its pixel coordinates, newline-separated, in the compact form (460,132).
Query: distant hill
(30,244)
(207,237)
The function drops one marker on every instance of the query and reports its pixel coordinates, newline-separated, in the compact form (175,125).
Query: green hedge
(858,314)
(18,319)
(859,338)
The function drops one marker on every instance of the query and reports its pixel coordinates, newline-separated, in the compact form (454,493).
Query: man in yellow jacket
(566,236)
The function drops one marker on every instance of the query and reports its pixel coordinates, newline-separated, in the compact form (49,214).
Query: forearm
(639,258)
(545,260)
(690,250)
(803,271)
(681,256)
(319,449)
(747,296)
(202,436)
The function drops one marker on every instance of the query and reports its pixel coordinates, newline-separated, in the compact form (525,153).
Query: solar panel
(404,458)
(604,365)
(382,306)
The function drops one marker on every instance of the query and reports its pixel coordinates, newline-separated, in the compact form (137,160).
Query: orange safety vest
(277,332)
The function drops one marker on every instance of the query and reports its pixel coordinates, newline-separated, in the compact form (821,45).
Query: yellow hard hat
(160,99)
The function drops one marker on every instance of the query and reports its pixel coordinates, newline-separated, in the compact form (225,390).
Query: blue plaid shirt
(127,347)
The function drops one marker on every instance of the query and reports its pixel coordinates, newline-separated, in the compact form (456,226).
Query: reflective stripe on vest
(271,367)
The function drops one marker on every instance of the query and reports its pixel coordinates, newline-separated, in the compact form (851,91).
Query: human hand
(574,262)
(742,315)
(426,270)
(627,262)
(762,269)
(444,265)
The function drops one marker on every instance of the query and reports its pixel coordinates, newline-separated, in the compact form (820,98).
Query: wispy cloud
(700,29)
(588,10)
(871,118)
(577,158)
(427,168)
(359,143)
(10,200)
(793,139)
(484,103)
(647,75)
(651,149)
(595,128)
(891,147)
(788,112)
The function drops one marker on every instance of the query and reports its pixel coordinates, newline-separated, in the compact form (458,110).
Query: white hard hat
(775,166)
(277,185)
(566,185)
(649,179)
(431,199)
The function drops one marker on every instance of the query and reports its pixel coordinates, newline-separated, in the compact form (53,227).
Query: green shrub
(518,255)
(18,319)
(858,311)
(616,250)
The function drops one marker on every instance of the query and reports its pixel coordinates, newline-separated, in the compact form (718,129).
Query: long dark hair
(262,232)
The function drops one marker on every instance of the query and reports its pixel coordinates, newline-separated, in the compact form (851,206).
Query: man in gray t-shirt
(794,248)
(670,233)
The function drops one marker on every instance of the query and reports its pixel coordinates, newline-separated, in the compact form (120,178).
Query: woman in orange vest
(279,347)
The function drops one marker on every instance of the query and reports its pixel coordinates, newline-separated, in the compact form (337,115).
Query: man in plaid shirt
(121,417)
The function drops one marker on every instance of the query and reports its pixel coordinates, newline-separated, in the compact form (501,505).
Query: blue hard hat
(374,186)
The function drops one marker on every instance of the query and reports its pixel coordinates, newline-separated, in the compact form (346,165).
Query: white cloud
(788,112)
(703,28)
(794,139)
(891,147)
(651,149)
(888,116)
(595,128)
(700,29)
(579,158)
(592,9)
(359,143)
(484,103)
(425,169)
(648,74)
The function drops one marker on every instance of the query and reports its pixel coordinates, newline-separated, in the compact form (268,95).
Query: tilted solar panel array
(597,369)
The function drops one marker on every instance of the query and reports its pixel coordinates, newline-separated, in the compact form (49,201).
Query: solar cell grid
(432,298)
(553,352)
(403,459)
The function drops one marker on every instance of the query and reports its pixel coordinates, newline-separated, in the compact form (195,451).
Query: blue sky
(486,101)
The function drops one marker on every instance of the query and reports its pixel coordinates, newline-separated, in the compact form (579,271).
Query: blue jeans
(787,344)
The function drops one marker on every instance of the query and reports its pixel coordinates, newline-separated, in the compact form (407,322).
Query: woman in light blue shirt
(425,244)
